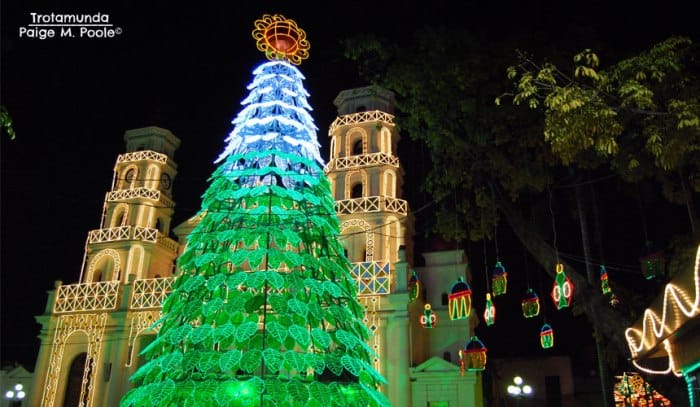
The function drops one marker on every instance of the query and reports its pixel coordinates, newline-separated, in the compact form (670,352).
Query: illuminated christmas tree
(264,309)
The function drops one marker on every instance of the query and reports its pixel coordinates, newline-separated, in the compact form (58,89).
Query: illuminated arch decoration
(459,302)
(562,288)
(140,322)
(281,39)
(369,235)
(120,215)
(350,181)
(93,325)
(351,138)
(677,306)
(114,255)
(135,262)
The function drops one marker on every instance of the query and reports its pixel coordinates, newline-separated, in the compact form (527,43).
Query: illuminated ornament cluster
(604,284)
(429,319)
(414,287)
(499,279)
(473,356)
(546,336)
(460,300)
(281,39)
(530,304)
(562,289)
(489,311)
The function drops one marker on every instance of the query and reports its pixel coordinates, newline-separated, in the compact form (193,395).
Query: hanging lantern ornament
(473,356)
(429,319)
(489,311)
(499,280)
(413,287)
(546,336)
(604,284)
(460,300)
(653,263)
(562,289)
(530,304)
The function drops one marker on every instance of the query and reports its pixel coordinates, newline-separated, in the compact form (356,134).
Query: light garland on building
(655,326)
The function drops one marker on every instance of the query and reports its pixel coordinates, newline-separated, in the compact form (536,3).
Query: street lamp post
(519,390)
(15,395)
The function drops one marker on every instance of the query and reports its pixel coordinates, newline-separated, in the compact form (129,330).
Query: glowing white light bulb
(518,380)
(527,389)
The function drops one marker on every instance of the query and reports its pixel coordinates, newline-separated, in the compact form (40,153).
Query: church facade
(92,331)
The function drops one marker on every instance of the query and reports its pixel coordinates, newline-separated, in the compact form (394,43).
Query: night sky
(186,69)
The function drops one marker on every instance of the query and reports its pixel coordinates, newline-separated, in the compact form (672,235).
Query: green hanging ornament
(414,287)
(562,289)
(489,311)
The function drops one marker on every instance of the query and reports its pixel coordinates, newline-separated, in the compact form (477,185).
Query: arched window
(159,225)
(356,191)
(445,299)
(74,395)
(129,178)
(357,147)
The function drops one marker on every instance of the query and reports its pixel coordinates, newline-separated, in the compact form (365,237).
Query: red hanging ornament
(473,356)
(546,336)
(489,311)
(499,279)
(429,319)
(460,300)
(562,289)
(530,304)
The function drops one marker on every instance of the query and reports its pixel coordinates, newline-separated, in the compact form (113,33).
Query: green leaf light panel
(460,300)
(414,287)
(264,310)
(489,311)
(562,289)
(473,356)
(530,304)
(429,319)
(604,284)
(546,336)
(499,279)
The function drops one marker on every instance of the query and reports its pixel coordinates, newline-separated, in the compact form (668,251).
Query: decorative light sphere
(281,39)
(18,387)
(9,394)
(518,380)
(527,389)
(514,390)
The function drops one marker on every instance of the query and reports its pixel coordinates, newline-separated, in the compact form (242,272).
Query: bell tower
(91,331)
(133,239)
(375,223)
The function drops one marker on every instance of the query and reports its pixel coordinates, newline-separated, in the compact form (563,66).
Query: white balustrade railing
(97,296)
(371,204)
(361,117)
(142,155)
(150,293)
(362,160)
